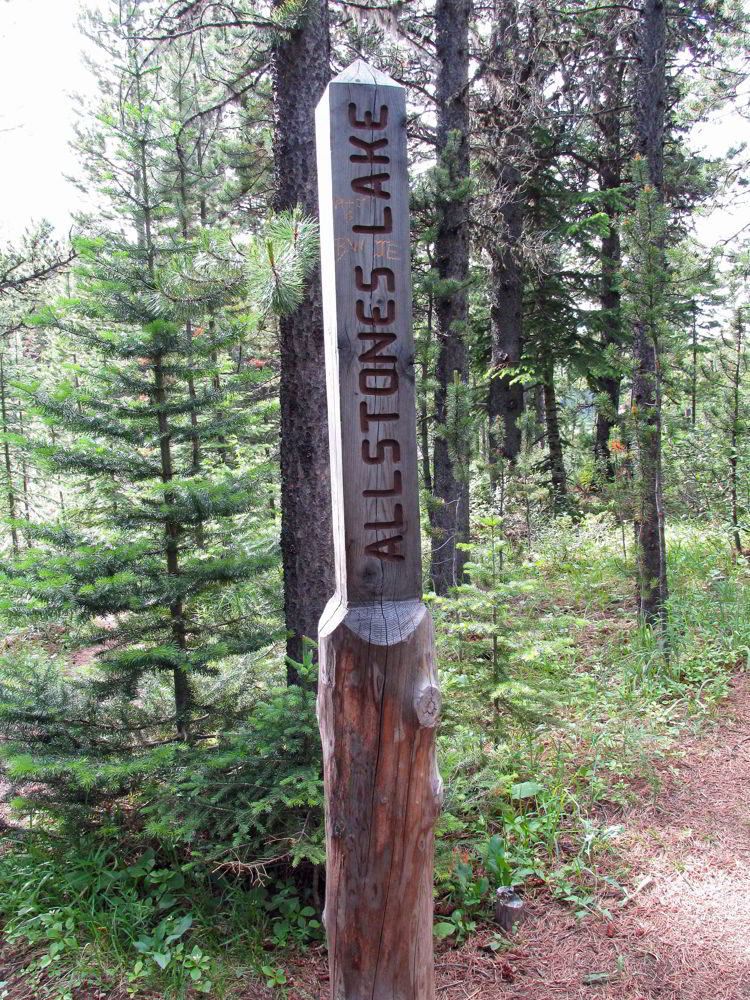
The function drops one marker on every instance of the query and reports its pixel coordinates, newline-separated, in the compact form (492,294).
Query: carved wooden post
(378,697)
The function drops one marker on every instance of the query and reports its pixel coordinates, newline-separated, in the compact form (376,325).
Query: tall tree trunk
(424,435)
(8,464)
(300,74)
(195,441)
(694,373)
(540,421)
(182,695)
(180,680)
(505,400)
(450,515)
(184,211)
(609,300)
(609,385)
(736,382)
(609,121)
(650,115)
(554,442)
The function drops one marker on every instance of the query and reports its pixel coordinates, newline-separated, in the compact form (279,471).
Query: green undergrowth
(143,920)
(561,709)
(559,713)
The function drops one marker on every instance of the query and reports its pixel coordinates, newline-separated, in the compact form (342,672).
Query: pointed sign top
(362,72)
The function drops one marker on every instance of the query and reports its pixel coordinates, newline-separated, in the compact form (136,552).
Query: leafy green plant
(56,928)
(60,900)
(496,862)
(158,944)
(469,892)
(294,922)
(275,976)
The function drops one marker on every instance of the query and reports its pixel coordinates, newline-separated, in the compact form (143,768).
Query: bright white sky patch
(726,129)
(40,66)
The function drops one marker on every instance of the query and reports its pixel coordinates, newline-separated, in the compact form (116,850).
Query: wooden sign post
(378,696)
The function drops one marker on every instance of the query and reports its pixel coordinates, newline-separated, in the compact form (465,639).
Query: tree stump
(509,908)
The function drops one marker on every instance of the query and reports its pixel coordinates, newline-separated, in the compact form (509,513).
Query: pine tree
(728,412)
(449,514)
(300,74)
(28,272)
(651,97)
(161,527)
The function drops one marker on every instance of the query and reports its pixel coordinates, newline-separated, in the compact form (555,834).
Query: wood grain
(369,344)
(378,695)
(378,703)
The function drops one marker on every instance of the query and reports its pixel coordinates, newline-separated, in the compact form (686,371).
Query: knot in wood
(427,706)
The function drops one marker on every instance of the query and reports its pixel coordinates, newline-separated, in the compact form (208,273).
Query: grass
(586,707)
(559,710)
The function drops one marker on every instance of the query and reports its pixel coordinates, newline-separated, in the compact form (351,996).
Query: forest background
(582,373)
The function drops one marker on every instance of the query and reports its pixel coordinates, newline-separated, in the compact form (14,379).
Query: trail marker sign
(378,695)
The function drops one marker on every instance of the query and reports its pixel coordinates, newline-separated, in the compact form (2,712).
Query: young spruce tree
(162,523)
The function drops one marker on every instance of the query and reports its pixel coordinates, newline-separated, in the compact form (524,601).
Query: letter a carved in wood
(378,697)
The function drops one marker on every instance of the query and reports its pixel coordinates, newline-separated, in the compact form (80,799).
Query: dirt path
(684,936)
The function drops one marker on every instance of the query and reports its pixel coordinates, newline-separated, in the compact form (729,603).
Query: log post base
(378,705)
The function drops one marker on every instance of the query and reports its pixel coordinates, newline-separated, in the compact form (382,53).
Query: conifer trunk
(554,442)
(694,373)
(737,376)
(424,433)
(505,402)
(300,74)
(609,169)
(8,464)
(181,685)
(650,116)
(185,225)
(450,514)
(609,300)
(172,540)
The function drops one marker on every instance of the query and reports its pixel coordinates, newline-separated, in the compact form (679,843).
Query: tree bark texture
(609,122)
(507,136)
(609,300)
(378,705)
(505,399)
(650,116)
(450,513)
(554,442)
(648,535)
(651,90)
(300,74)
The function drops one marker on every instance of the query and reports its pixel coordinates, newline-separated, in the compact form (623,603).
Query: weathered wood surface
(378,704)
(378,696)
(364,199)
